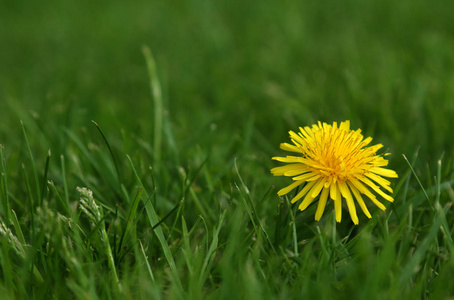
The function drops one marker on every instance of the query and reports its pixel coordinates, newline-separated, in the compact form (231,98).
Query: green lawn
(190,100)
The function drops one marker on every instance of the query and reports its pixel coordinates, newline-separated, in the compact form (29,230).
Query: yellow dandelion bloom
(334,162)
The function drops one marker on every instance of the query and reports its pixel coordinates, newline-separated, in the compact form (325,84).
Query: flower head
(334,162)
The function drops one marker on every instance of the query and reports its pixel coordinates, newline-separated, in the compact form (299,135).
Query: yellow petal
(317,188)
(279,171)
(321,204)
(366,142)
(382,182)
(384,172)
(306,177)
(350,204)
(332,190)
(376,189)
(361,187)
(297,138)
(304,191)
(360,200)
(291,148)
(345,125)
(305,203)
(289,159)
(296,172)
(375,148)
(381,162)
(289,188)
(366,192)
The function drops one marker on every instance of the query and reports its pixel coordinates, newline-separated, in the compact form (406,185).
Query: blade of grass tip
(46,169)
(153,218)
(17,228)
(30,202)
(32,160)
(155,86)
(252,211)
(110,151)
(4,185)
(419,182)
(65,182)
(59,197)
(248,209)
(131,218)
(145,258)
(407,182)
(211,252)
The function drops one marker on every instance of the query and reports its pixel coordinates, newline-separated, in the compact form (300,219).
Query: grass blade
(110,151)
(46,170)
(211,252)
(155,86)
(131,218)
(4,185)
(252,211)
(153,218)
(146,262)
(419,182)
(65,183)
(32,160)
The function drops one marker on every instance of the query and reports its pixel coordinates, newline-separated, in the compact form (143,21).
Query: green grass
(170,112)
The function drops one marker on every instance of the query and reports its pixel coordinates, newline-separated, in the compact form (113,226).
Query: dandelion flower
(335,162)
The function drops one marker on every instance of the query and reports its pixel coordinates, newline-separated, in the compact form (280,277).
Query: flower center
(336,154)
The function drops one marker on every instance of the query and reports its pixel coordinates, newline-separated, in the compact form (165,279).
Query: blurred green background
(236,76)
(226,65)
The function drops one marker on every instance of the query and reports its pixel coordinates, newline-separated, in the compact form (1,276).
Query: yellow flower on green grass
(335,162)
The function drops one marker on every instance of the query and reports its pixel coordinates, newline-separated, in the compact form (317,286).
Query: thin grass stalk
(155,86)
(4,185)
(32,160)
